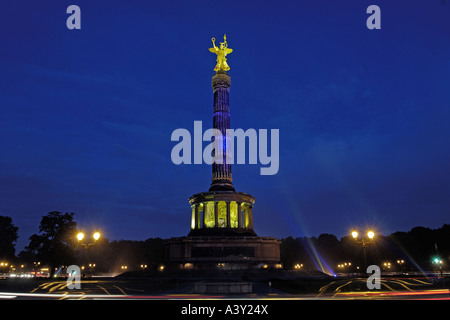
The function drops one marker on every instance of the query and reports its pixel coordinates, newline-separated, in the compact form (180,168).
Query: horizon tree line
(56,245)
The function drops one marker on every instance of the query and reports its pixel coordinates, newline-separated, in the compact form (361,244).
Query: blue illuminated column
(221,173)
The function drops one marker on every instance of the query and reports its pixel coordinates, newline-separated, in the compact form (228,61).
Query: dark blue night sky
(87,115)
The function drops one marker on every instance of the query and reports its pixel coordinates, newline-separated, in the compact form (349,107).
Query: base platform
(223,252)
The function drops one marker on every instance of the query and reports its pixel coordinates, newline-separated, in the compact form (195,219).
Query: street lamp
(3,266)
(344,266)
(80,236)
(438,263)
(364,241)
(298,266)
(96,235)
(401,263)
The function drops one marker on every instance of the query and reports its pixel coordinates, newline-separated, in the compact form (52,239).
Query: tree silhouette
(8,237)
(55,243)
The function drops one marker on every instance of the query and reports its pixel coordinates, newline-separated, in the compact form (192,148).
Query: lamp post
(364,241)
(86,245)
(3,267)
(80,236)
(401,263)
(298,266)
(344,267)
(437,264)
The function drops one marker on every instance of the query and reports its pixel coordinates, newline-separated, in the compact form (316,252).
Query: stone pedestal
(223,252)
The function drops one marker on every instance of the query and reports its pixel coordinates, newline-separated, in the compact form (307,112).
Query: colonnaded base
(223,252)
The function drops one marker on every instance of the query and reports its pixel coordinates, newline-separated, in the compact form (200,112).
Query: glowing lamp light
(370,234)
(355,234)
(80,236)
(96,236)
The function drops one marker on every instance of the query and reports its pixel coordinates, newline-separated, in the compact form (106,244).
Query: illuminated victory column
(221,173)
(221,230)
(222,210)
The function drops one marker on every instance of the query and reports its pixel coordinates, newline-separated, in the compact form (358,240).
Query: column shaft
(228,215)
(197,217)
(239,214)
(216,214)
(205,206)
(250,217)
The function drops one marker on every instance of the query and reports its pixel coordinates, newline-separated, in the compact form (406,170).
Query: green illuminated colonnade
(214,212)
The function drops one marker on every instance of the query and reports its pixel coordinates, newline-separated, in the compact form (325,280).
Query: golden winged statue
(221,52)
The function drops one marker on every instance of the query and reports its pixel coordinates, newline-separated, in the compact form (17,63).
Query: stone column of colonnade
(244,215)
